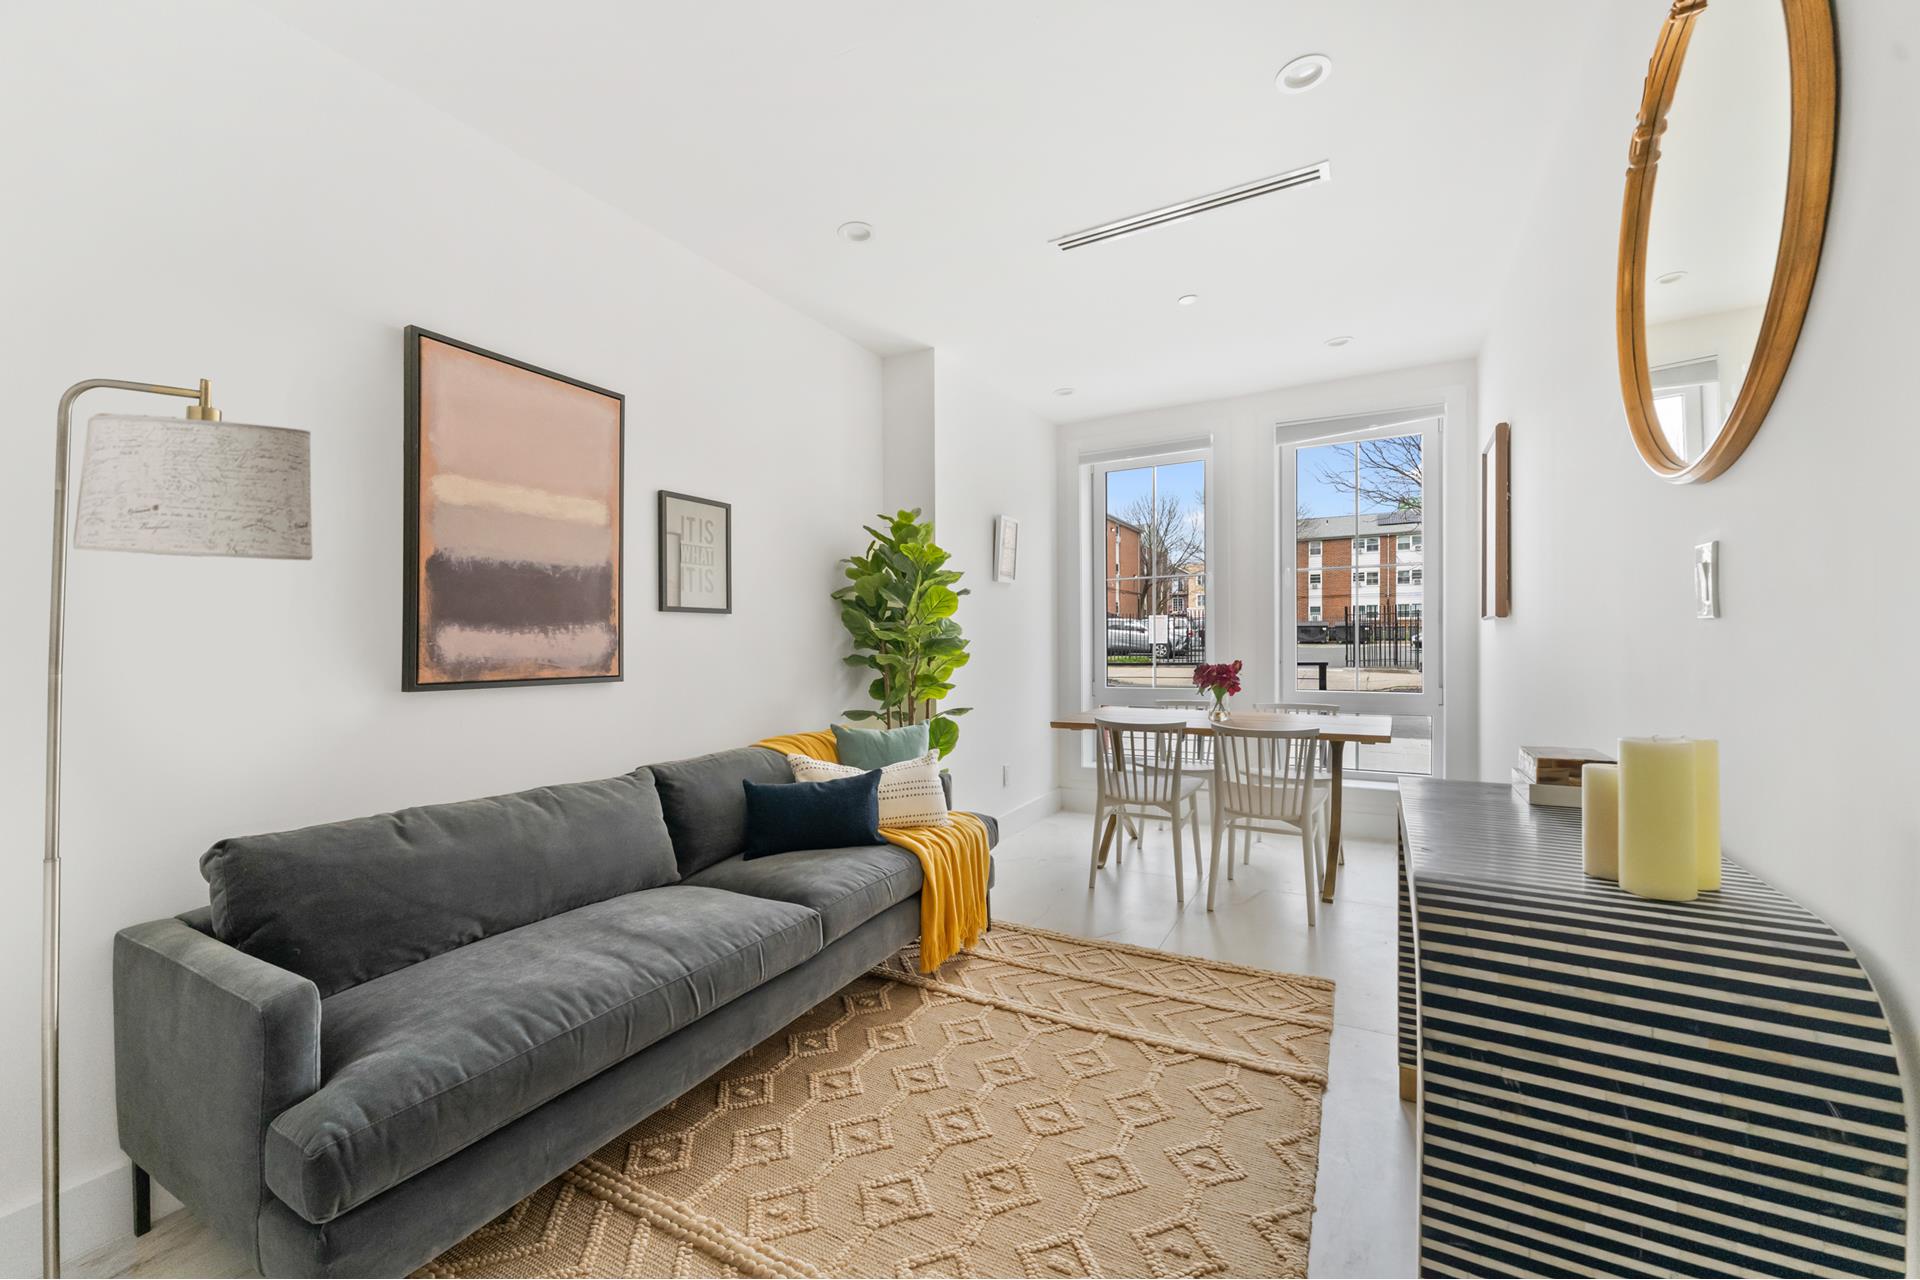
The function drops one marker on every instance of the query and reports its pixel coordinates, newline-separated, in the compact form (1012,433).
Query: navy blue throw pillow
(782,817)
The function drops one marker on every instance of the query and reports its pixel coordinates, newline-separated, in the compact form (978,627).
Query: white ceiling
(971,132)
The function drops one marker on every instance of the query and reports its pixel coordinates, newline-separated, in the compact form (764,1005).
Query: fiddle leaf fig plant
(898,608)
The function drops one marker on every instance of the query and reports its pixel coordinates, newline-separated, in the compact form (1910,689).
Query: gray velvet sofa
(382,1033)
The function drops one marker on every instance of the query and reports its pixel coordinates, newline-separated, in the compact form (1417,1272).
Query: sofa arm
(210,1045)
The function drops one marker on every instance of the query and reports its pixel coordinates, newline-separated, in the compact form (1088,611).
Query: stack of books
(1551,775)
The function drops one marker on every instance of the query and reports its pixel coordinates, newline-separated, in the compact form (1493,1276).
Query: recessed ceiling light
(1305,72)
(857,232)
(1063,391)
(1340,340)
(1670,277)
(1188,299)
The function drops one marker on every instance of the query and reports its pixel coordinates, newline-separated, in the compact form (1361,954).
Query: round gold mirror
(1716,265)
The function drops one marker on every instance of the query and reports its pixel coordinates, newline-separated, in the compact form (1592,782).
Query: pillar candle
(1658,850)
(1600,819)
(1706,812)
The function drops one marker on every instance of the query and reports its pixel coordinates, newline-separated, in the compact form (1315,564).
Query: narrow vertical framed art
(1006,548)
(1496,533)
(514,509)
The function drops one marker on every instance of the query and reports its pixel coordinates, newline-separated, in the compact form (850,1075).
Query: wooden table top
(1334,726)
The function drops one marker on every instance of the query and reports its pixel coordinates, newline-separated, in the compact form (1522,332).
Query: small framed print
(696,554)
(1006,548)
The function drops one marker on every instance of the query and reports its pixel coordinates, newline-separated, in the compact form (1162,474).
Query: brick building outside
(1375,566)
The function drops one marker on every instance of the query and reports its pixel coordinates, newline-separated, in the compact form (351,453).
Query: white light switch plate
(1706,580)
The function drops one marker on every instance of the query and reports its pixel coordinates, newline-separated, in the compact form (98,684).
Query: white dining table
(1337,727)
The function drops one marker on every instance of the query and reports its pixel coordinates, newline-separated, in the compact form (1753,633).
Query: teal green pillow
(878,748)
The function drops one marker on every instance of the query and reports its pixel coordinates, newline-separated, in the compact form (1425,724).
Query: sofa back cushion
(705,804)
(346,902)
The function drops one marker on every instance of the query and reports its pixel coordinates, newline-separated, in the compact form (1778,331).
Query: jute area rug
(1044,1106)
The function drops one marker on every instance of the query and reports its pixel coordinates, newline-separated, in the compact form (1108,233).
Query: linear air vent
(1187,208)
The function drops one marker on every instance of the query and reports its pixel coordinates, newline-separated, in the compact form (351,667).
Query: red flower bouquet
(1222,680)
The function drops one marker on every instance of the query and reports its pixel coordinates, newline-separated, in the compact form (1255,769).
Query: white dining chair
(1141,771)
(1301,708)
(1268,780)
(1199,746)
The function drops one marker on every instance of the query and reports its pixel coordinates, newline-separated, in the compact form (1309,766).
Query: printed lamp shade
(174,486)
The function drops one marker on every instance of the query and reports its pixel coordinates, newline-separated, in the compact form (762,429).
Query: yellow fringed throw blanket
(953,862)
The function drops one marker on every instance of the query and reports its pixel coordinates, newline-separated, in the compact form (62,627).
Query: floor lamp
(192,487)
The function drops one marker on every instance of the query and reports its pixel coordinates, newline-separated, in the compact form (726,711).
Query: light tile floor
(1364,1216)
(1364,1221)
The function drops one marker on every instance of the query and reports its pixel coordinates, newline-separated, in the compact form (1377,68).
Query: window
(1151,591)
(1686,400)
(1368,648)
(1313,546)
(1313,579)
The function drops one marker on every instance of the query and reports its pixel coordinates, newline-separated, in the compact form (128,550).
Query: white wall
(195,190)
(907,411)
(993,458)
(963,453)
(1815,714)
(1242,603)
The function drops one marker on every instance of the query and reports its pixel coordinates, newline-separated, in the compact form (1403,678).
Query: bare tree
(1390,475)
(1173,536)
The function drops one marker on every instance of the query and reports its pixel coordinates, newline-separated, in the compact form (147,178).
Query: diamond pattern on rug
(1043,1106)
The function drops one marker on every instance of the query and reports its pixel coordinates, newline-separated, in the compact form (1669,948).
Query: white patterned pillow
(910,792)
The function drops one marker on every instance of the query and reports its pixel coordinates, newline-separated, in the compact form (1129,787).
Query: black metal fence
(1382,642)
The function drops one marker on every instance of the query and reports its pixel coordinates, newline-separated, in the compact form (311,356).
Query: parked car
(1135,635)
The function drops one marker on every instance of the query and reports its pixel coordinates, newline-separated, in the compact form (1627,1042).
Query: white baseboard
(93,1214)
(1022,816)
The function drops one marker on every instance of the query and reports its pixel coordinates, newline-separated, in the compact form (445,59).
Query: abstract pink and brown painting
(514,512)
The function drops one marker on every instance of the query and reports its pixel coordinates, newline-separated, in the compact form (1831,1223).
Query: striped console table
(1614,1086)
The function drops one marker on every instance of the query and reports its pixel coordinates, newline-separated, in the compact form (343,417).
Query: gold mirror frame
(1815,96)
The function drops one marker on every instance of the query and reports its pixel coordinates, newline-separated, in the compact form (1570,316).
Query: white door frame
(1289,438)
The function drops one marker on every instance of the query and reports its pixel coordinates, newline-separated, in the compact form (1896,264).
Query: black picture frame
(660,538)
(410,681)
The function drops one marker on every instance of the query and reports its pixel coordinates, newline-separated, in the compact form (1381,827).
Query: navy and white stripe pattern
(1616,1086)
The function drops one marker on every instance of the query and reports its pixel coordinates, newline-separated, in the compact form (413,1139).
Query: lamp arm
(50,878)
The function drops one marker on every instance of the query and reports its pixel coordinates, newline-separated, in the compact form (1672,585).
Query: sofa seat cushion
(419,1063)
(847,887)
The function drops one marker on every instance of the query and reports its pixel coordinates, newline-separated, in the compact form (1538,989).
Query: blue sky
(1183,480)
(1316,496)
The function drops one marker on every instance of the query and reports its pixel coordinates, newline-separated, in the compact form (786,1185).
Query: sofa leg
(142,1201)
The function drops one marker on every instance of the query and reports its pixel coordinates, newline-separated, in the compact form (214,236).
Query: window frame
(1098,468)
(1433,421)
